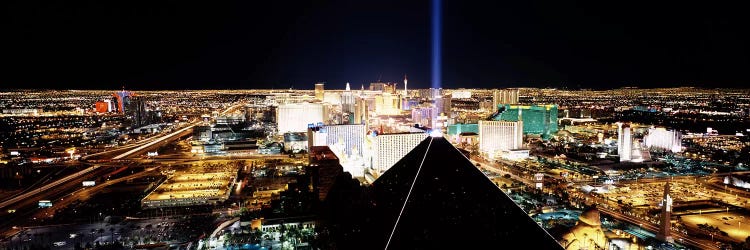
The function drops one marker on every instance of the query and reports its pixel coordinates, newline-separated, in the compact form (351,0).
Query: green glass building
(537,119)
(459,128)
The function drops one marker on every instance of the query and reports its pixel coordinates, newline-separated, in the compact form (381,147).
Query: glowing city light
(437,23)
(436,133)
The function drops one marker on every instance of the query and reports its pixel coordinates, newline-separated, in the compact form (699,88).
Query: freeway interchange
(24,205)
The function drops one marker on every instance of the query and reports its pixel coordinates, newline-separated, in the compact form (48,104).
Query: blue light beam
(437,30)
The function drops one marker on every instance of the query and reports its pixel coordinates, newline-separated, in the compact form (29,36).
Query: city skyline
(275,168)
(428,124)
(235,45)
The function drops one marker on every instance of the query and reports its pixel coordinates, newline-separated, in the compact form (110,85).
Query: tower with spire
(406,91)
(665,222)
(348,104)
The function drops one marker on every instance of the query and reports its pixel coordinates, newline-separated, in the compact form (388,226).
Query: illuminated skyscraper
(624,142)
(319,91)
(348,104)
(387,104)
(136,111)
(442,105)
(619,137)
(504,96)
(430,93)
(409,103)
(344,140)
(295,117)
(390,148)
(361,111)
(498,136)
(122,98)
(110,105)
(537,119)
(422,116)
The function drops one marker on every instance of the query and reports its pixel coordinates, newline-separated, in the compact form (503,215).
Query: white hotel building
(624,142)
(390,148)
(499,138)
(294,117)
(345,141)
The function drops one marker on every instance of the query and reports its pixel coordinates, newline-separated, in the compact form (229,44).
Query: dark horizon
(243,45)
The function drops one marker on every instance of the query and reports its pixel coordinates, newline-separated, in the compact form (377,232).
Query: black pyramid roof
(451,205)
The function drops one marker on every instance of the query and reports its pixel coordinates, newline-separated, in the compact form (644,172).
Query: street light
(739,223)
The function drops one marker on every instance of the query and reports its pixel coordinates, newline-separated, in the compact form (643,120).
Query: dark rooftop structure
(435,198)
(324,169)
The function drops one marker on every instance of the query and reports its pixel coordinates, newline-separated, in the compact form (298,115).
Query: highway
(33,192)
(84,193)
(25,208)
(154,142)
(113,151)
(74,176)
(25,203)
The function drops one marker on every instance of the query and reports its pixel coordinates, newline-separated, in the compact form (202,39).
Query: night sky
(283,44)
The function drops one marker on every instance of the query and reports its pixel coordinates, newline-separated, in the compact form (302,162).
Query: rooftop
(435,197)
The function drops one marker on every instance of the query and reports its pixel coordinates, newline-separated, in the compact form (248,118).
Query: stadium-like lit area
(191,188)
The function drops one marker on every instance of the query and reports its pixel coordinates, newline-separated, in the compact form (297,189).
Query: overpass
(73,176)
(135,150)
(154,142)
(144,144)
(172,135)
(113,151)
(46,187)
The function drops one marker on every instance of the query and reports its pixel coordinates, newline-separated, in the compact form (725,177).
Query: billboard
(45,203)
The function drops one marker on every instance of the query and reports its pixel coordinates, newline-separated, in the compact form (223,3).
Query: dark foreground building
(433,198)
